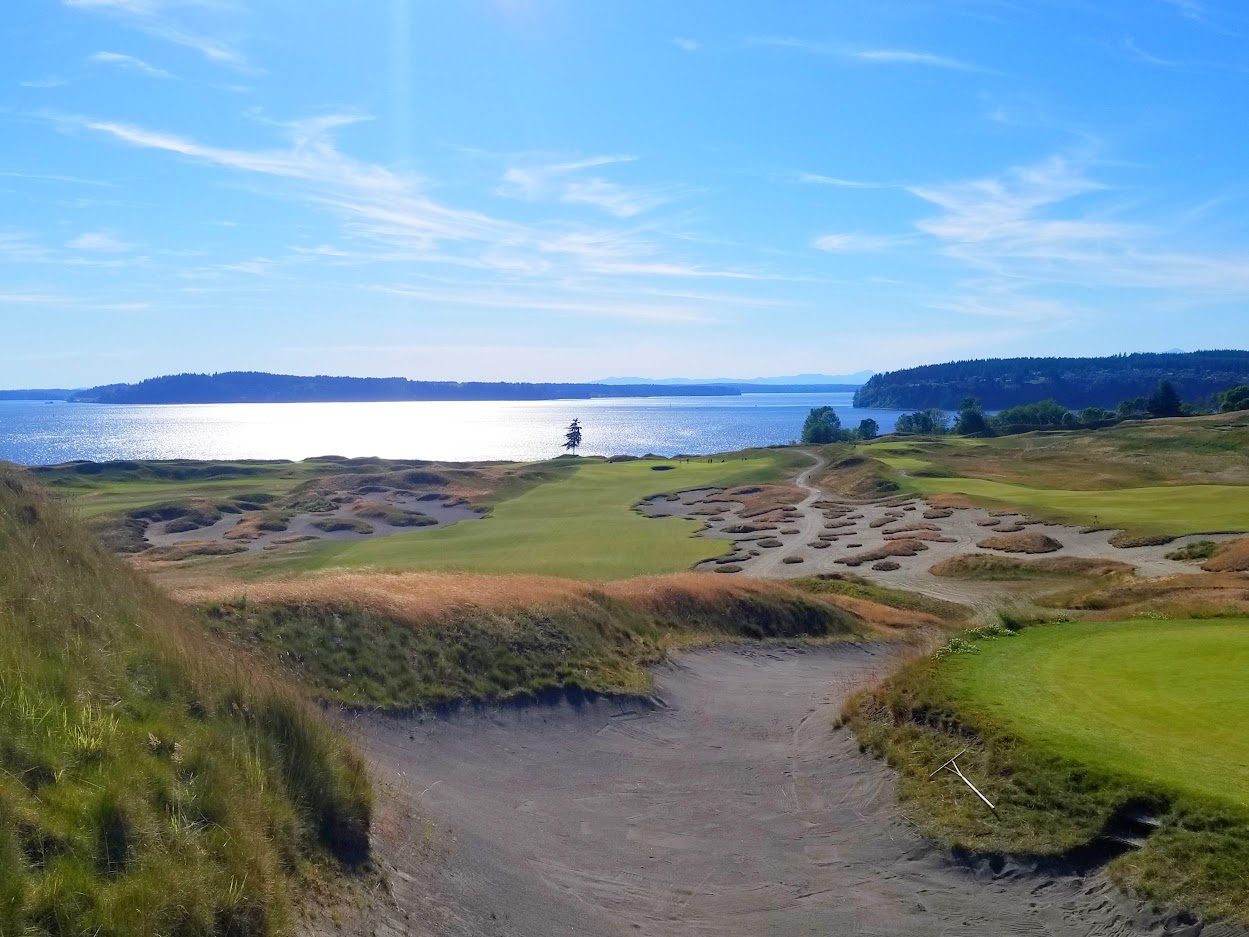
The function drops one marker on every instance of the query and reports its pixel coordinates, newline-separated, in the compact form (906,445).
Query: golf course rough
(1163,701)
(581,527)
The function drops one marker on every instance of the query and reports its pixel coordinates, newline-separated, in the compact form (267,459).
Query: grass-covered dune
(420,639)
(1083,735)
(151,782)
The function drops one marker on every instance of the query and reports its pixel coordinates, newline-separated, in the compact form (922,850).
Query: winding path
(810,525)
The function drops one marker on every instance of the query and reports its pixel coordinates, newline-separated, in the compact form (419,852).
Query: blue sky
(564,190)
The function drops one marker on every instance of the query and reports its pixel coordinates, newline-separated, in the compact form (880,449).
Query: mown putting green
(1176,510)
(1164,701)
(583,527)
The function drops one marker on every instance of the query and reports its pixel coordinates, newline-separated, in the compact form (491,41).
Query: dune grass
(582,526)
(150,782)
(1068,728)
(412,640)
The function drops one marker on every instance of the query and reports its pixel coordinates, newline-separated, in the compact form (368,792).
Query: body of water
(42,433)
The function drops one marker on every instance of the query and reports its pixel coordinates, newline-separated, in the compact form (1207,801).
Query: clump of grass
(1193,552)
(1127,539)
(388,514)
(856,587)
(334,524)
(1028,542)
(150,782)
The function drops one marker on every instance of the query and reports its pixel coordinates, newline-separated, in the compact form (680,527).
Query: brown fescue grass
(906,547)
(1191,595)
(987,566)
(757,500)
(1229,556)
(428,598)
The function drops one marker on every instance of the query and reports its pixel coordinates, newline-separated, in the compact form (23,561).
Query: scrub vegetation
(151,780)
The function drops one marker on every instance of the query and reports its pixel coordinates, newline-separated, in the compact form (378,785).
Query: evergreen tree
(971,419)
(1165,401)
(868,429)
(572,438)
(1235,399)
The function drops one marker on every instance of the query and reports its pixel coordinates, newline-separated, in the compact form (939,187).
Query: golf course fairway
(1164,701)
(581,527)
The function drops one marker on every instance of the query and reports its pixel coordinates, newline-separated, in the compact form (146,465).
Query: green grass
(150,782)
(1066,727)
(581,527)
(1175,510)
(1165,701)
(858,588)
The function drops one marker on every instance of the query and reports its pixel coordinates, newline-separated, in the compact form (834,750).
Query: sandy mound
(1029,542)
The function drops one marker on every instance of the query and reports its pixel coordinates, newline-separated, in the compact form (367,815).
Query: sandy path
(810,523)
(734,810)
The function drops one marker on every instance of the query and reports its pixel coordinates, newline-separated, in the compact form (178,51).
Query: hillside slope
(1074,382)
(149,782)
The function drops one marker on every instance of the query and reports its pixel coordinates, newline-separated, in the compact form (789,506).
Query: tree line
(972,420)
(1002,383)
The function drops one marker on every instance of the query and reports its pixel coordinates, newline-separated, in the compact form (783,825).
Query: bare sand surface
(731,808)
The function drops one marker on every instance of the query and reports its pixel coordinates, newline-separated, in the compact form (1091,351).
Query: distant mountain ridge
(1074,382)
(262,387)
(856,379)
(36,394)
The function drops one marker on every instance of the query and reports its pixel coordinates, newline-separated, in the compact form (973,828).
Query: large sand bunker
(732,809)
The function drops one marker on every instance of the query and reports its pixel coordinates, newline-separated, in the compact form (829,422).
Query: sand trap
(444,511)
(852,528)
(735,810)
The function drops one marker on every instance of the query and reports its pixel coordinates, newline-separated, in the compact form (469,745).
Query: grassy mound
(1073,730)
(850,586)
(405,640)
(150,783)
(987,566)
(1229,556)
(1202,595)
(1027,542)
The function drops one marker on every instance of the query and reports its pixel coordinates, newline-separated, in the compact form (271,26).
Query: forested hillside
(1074,382)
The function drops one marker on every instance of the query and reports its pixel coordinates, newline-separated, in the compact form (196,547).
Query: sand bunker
(377,512)
(733,808)
(899,546)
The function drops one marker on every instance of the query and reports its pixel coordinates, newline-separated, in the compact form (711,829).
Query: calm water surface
(39,433)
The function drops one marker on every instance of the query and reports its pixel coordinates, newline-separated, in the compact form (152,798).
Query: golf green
(583,527)
(1163,700)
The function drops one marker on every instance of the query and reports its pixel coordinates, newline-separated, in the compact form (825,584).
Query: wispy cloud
(105,242)
(560,181)
(815,178)
(391,210)
(872,56)
(127,63)
(165,19)
(44,83)
(1051,224)
(852,242)
(687,45)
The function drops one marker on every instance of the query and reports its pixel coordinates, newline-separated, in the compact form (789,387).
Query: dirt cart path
(735,809)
